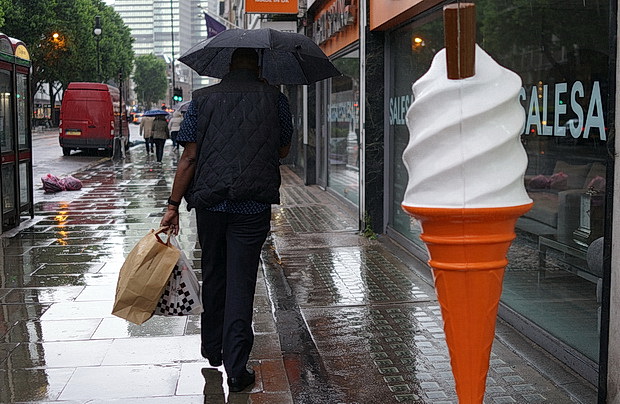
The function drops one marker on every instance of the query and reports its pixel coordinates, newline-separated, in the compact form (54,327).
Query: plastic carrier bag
(181,296)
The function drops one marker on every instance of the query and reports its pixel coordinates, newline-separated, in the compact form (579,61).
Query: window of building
(343,126)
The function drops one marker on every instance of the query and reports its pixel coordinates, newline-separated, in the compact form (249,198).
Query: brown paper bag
(143,277)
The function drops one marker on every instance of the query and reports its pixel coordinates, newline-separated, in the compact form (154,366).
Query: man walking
(234,134)
(146,131)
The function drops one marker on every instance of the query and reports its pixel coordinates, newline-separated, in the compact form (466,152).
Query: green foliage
(116,44)
(368,232)
(150,78)
(3,6)
(72,56)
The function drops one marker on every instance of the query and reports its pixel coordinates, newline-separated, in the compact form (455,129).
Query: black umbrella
(285,57)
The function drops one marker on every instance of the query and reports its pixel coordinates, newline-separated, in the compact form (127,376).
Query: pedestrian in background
(160,134)
(174,125)
(146,131)
(231,158)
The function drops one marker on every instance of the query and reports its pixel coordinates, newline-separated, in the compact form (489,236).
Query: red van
(89,117)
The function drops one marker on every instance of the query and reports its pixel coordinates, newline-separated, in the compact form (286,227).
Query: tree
(150,78)
(3,6)
(72,54)
(116,44)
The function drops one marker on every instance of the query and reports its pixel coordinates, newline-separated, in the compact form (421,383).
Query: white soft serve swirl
(464,148)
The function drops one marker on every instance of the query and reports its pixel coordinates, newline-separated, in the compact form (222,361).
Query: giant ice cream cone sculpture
(466,165)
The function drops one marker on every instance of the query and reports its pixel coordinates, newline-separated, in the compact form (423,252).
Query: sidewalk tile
(122,382)
(154,350)
(157,326)
(54,330)
(60,354)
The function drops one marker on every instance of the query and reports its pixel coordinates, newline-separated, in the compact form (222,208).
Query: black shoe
(214,360)
(237,384)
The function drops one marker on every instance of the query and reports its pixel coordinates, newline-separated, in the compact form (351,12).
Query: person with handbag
(234,134)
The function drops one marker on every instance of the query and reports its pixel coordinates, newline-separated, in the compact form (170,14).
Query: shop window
(6,118)
(8,188)
(25,185)
(22,110)
(343,127)
(561,53)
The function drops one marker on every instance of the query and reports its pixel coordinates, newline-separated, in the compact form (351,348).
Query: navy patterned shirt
(187,134)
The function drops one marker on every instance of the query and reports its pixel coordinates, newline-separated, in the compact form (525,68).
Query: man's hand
(171,219)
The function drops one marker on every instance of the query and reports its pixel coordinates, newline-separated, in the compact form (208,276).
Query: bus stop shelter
(16,188)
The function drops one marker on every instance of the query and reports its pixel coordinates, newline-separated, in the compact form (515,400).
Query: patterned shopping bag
(181,297)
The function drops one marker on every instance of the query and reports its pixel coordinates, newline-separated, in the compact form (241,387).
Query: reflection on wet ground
(338,318)
(57,283)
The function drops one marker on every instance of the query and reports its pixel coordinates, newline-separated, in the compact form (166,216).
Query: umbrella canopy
(285,57)
(182,106)
(154,112)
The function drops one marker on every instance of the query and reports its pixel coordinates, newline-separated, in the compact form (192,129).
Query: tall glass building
(166,28)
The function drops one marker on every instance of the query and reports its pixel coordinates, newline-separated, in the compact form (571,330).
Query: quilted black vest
(238,138)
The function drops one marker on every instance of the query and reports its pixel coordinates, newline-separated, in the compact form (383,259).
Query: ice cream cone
(468,250)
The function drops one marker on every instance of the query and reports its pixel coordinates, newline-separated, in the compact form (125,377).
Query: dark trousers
(159,148)
(148,142)
(231,247)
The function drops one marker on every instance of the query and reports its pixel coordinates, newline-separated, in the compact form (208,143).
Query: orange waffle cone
(468,250)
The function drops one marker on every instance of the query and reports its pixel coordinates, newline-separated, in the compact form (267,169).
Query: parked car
(89,118)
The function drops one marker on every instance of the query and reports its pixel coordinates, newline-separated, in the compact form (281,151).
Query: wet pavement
(338,318)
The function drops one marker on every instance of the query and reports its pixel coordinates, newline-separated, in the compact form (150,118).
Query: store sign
(345,111)
(564,102)
(272,6)
(21,52)
(582,112)
(398,109)
(282,26)
(340,15)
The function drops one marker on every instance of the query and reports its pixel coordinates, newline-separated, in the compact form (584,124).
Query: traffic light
(178,95)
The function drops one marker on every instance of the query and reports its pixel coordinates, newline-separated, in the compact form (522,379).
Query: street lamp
(97,32)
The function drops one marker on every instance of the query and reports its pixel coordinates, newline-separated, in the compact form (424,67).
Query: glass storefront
(343,128)
(560,50)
